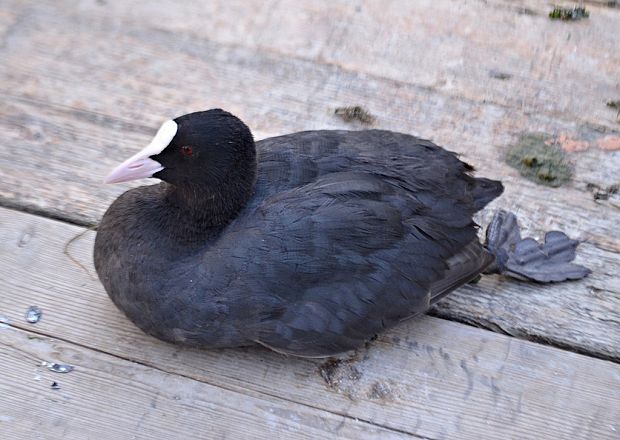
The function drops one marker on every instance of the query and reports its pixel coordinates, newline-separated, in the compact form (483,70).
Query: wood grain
(450,46)
(429,377)
(106,397)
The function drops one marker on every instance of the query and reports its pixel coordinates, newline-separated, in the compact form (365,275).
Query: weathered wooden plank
(429,377)
(452,46)
(106,397)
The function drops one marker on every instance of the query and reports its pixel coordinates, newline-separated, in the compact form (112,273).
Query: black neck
(207,207)
(201,211)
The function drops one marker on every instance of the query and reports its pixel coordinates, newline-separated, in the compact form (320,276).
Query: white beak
(140,165)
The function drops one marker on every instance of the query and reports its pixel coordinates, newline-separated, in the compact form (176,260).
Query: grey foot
(526,259)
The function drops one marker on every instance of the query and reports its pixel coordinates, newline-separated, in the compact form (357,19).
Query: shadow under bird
(309,243)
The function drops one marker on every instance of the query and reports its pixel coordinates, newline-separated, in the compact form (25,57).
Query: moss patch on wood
(569,14)
(498,74)
(539,158)
(615,105)
(602,193)
(355,113)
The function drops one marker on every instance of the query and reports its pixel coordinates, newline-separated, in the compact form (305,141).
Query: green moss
(497,74)
(355,113)
(600,193)
(615,105)
(568,14)
(540,160)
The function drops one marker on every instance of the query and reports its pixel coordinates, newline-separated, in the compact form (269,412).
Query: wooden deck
(86,82)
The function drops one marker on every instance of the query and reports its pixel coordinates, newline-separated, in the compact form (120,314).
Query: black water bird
(309,243)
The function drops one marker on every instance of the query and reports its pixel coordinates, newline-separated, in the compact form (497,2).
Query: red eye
(186,150)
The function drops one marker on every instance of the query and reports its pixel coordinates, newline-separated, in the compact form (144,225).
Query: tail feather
(462,268)
(485,190)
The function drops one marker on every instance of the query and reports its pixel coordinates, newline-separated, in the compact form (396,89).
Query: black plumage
(309,243)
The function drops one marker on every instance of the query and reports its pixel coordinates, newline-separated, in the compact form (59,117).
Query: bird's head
(203,148)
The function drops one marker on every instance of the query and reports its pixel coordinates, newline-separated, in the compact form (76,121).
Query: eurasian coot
(309,243)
